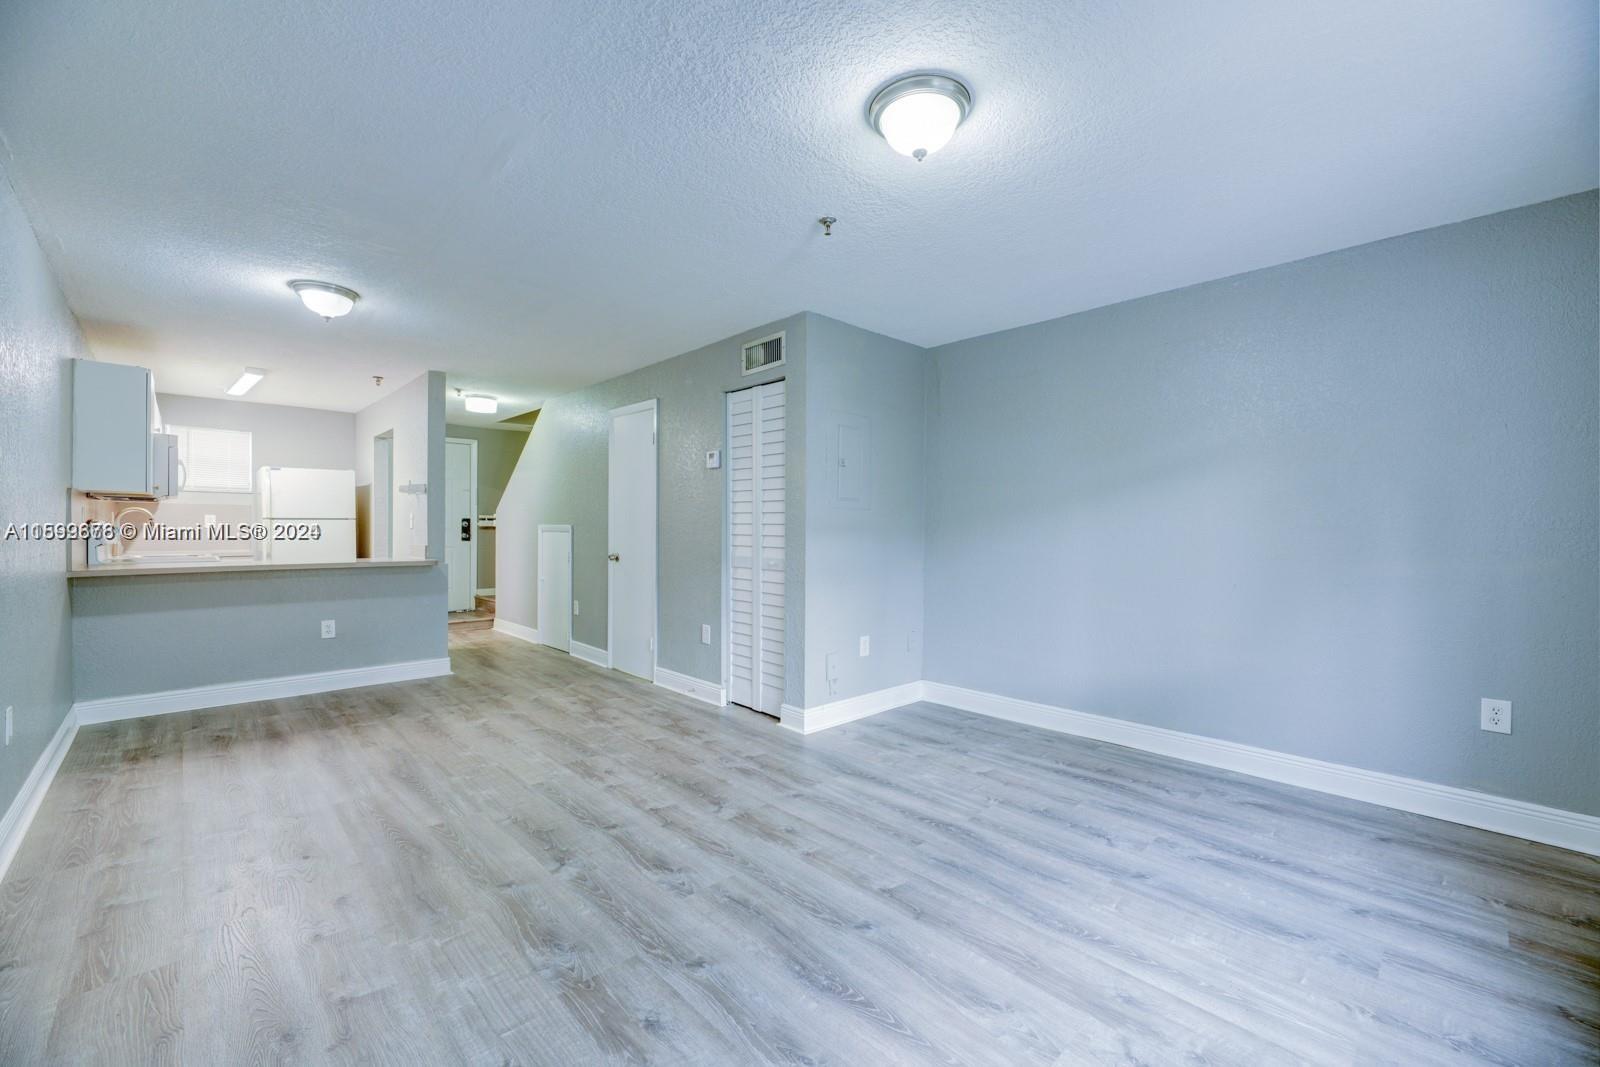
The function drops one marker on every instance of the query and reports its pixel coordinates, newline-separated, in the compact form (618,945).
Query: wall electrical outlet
(705,635)
(1495,715)
(8,724)
(866,645)
(327,628)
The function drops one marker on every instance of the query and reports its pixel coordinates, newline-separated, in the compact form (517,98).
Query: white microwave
(166,471)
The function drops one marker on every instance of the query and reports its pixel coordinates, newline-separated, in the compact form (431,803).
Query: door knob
(614,558)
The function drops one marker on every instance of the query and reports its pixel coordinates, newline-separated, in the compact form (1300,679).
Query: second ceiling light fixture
(919,113)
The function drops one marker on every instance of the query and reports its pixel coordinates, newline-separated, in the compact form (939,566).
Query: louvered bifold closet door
(742,676)
(756,516)
(770,452)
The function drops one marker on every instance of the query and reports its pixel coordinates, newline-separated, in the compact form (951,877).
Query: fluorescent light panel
(246,381)
(481,403)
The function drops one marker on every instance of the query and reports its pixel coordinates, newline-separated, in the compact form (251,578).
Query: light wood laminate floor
(535,861)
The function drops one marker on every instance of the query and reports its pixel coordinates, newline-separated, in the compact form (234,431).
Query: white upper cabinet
(113,414)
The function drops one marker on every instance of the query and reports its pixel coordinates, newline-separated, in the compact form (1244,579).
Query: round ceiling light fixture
(918,114)
(481,403)
(324,298)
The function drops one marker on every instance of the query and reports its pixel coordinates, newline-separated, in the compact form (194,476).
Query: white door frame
(381,535)
(566,528)
(472,557)
(653,407)
(727,543)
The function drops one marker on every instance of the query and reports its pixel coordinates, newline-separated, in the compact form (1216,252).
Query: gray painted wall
(498,451)
(864,551)
(150,633)
(561,478)
(38,335)
(414,414)
(281,436)
(1322,508)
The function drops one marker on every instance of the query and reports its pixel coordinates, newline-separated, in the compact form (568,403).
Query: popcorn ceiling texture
(555,194)
(38,335)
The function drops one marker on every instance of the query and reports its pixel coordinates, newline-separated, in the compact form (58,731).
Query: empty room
(703,533)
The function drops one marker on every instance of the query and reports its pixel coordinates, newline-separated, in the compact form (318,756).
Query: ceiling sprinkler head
(827,225)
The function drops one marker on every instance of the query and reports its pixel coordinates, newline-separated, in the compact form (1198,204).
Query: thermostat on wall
(713,459)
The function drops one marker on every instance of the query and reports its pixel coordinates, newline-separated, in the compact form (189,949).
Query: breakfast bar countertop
(230,565)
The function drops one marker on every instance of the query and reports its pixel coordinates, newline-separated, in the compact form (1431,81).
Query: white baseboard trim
(517,630)
(19,816)
(1503,815)
(578,650)
(690,686)
(1518,818)
(112,709)
(837,712)
(598,656)
(485,592)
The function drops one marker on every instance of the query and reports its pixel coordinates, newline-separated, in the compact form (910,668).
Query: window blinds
(214,461)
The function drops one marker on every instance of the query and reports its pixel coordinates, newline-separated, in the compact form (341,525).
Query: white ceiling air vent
(763,354)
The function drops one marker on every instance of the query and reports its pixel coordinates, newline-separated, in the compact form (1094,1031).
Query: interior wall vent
(763,354)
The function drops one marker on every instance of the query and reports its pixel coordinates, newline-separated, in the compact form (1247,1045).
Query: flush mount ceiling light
(324,298)
(481,403)
(246,381)
(918,114)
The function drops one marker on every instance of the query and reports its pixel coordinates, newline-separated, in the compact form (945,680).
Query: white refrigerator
(295,502)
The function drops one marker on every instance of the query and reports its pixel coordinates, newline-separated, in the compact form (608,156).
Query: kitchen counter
(150,638)
(233,565)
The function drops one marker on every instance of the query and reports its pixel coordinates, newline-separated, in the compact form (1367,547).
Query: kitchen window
(214,461)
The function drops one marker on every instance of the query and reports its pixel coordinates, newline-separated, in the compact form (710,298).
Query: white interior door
(555,587)
(460,495)
(757,451)
(631,522)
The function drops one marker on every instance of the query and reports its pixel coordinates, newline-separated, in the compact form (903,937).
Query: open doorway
(461,518)
(499,448)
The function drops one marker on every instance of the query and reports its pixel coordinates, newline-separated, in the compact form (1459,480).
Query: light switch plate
(705,635)
(8,724)
(713,459)
(576,608)
(866,645)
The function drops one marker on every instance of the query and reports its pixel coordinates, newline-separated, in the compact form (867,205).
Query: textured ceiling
(536,196)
